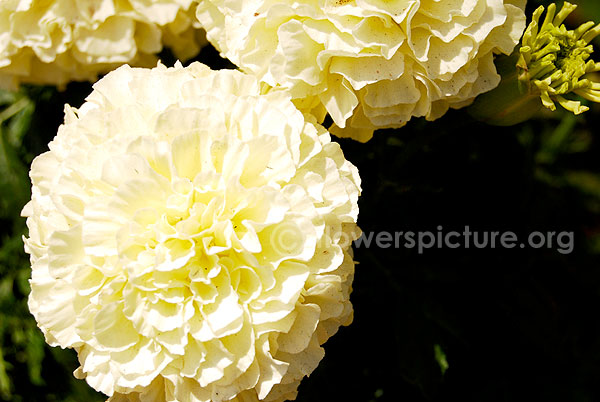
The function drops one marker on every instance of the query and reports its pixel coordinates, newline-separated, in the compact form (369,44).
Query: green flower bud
(551,63)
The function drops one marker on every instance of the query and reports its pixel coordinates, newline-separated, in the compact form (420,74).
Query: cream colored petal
(174,227)
(113,330)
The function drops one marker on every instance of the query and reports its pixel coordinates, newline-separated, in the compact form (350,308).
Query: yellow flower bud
(551,63)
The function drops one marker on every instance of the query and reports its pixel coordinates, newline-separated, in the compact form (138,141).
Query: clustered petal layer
(368,63)
(57,41)
(189,237)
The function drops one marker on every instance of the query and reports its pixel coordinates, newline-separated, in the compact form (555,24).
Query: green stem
(14,109)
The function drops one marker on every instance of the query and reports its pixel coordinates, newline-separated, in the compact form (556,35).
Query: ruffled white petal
(369,63)
(189,236)
(54,42)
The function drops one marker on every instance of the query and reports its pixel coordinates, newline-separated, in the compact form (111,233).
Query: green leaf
(14,185)
(8,97)
(34,349)
(586,182)
(5,384)
(20,122)
(440,357)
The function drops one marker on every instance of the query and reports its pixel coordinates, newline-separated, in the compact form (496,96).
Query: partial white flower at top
(58,41)
(190,237)
(368,63)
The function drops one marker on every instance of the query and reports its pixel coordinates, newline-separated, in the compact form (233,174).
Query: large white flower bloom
(369,63)
(189,237)
(57,41)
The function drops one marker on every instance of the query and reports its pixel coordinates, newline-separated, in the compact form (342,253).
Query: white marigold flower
(57,41)
(189,237)
(368,63)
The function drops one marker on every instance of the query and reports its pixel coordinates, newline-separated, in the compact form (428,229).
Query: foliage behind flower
(368,63)
(54,42)
(189,237)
